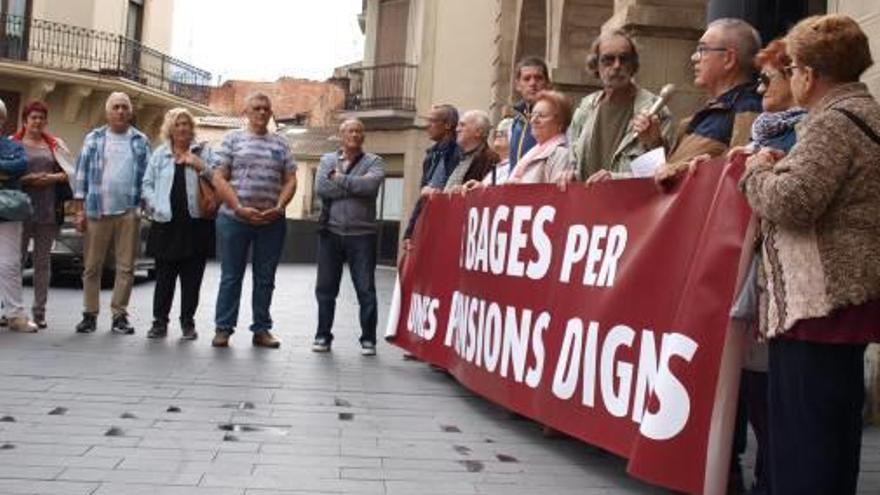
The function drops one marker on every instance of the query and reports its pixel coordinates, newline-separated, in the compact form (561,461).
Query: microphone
(665,94)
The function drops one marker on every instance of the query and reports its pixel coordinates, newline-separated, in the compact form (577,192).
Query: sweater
(820,212)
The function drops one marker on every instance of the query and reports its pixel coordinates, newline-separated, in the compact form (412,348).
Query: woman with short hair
(819,207)
(49,166)
(181,238)
(547,161)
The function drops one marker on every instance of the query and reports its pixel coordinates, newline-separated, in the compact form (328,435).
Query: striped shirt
(256,165)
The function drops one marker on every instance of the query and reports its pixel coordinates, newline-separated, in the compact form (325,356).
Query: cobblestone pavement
(106,414)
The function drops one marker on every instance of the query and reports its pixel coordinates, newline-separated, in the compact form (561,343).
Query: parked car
(67,254)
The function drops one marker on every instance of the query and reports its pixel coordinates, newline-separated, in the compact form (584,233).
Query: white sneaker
(368,349)
(22,325)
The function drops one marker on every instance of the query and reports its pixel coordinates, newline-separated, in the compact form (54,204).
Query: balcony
(383,95)
(61,46)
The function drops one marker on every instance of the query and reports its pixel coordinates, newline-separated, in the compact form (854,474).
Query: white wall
(867,13)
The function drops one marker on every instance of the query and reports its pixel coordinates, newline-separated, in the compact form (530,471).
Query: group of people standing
(192,195)
(810,133)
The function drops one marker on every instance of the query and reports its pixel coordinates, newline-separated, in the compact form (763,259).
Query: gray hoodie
(349,199)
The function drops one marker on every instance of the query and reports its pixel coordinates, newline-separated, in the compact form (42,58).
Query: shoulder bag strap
(860,124)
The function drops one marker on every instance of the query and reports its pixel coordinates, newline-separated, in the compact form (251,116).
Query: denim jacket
(521,139)
(13,162)
(159,177)
(90,168)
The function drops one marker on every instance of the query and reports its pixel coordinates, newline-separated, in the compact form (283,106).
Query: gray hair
(117,97)
(350,121)
(741,36)
(504,125)
(481,121)
(593,57)
(256,95)
(3,111)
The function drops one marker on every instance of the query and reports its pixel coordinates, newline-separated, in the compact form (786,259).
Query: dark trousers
(756,403)
(816,393)
(190,271)
(359,251)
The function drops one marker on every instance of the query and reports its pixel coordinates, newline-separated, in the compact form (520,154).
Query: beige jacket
(629,148)
(548,166)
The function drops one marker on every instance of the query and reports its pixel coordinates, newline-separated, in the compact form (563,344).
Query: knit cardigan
(820,212)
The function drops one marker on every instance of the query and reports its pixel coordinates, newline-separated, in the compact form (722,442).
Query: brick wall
(290,97)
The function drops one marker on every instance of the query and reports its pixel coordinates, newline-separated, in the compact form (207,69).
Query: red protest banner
(602,313)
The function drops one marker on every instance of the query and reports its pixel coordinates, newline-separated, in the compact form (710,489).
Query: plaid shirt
(90,169)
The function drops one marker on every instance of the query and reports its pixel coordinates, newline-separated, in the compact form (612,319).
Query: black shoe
(189,331)
(158,331)
(368,348)
(121,325)
(88,324)
(321,344)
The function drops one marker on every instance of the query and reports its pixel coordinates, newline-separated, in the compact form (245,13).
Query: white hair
(115,97)
(741,36)
(481,120)
(350,121)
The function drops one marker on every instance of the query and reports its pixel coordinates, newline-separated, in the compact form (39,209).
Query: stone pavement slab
(105,414)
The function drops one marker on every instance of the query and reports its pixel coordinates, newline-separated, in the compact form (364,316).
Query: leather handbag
(15,206)
(63,190)
(209,202)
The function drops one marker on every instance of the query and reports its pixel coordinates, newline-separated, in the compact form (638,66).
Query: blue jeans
(360,253)
(266,242)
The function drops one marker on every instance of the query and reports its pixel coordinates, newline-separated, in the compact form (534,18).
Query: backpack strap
(860,124)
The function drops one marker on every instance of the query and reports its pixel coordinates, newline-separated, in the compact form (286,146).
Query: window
(14,28)
(389,203)
(20,8)
(135,23)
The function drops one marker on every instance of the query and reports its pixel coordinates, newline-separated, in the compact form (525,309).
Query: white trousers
(10,269)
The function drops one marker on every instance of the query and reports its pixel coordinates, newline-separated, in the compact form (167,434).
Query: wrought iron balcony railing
(62,46)
(383,87)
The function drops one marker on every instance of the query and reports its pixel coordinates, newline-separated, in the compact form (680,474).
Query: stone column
(666,32)
(574,25)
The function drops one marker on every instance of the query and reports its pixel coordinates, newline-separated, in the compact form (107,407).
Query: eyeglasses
(543,116)
(701,50)
(788,70)
(608,59)
(765,78)
(261,108)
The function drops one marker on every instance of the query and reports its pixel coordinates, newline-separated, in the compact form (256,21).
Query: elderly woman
(49,163)
(547,161)
(13,210)
(180,239)
(775,128)
(501,145)
(820,268)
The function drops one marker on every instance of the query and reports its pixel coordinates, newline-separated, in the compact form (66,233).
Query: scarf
(538,152)
(769,125)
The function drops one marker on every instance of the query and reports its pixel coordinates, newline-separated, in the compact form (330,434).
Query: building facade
(299,101)
(423,52)
(73,53)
